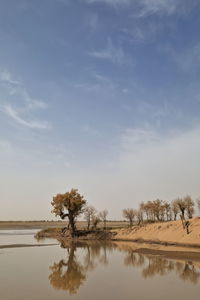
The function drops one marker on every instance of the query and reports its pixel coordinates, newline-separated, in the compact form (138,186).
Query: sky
(98,95)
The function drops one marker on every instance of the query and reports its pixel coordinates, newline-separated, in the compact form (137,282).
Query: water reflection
(157,265)
(70,273)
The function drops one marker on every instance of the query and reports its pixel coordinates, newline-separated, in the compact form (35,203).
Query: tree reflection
(158,265)
(67,275)
(189,273)
(70,273)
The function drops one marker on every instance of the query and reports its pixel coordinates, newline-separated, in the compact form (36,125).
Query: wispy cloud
(11,112)
(111,53)
(134,139)
(23,102)
(150,7)
(6,77)
(143,8)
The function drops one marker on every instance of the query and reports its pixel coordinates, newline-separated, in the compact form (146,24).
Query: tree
(189,204)
(145,207)
(167,210)
(103,216)
(71,205)
(139,215)
(89,211)
(175,209)
(158,209)
(95,221)
(182,206)
(185,204)
(129,214)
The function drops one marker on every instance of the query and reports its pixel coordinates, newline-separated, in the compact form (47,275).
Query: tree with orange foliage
(71,205)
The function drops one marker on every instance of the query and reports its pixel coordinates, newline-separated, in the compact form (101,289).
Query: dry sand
(167,233)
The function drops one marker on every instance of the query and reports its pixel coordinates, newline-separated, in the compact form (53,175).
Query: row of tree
(159,210)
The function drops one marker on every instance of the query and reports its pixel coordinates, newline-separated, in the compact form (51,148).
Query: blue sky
(102,95)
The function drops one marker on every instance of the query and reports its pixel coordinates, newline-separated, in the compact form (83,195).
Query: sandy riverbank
(167,233)
(148,236)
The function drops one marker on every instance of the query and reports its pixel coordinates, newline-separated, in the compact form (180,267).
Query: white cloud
(6,77)
(11,112)
(31,102)
(149,7)
(111,53)
(23,102)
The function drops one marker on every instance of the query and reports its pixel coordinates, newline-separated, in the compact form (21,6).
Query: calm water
(91,271)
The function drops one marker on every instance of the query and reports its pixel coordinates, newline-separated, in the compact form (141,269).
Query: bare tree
(142,210)
(158,210)
(139,215)
(89,211)
(146,209)
(175,208)
(129,214)
(189,204)
(103,216)
(95,221)
(167,210)
(182,206)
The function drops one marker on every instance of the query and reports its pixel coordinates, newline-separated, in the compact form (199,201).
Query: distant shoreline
(12,225)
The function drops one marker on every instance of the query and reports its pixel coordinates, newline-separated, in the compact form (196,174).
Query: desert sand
(167,233)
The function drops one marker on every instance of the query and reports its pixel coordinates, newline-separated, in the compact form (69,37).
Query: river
(90,271)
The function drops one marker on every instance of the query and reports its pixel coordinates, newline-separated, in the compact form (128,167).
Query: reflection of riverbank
(70,273)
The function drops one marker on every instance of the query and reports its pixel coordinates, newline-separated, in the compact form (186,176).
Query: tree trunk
(72,225)
(88,225)
(182,220)
(183,213)
(104,224)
